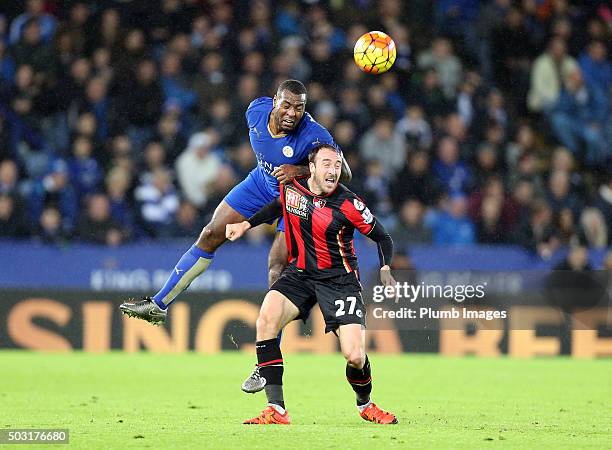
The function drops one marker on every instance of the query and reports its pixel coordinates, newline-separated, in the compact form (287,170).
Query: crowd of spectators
(124,120)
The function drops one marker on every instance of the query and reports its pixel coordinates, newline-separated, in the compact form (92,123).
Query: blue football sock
(193,263)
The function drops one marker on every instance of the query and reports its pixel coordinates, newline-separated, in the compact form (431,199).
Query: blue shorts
(250,195)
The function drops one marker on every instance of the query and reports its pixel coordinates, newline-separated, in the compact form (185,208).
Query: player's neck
(312,187)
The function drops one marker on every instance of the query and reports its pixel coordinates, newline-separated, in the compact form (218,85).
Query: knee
(266,323)
(208,240)
(355,357)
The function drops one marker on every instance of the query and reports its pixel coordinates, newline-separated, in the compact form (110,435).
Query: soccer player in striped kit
(320,217)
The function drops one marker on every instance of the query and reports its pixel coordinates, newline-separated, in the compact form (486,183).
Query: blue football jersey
(274,151)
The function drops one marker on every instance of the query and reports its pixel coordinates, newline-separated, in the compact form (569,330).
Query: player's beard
(322,184)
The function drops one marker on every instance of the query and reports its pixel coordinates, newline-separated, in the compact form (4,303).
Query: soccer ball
(375,52)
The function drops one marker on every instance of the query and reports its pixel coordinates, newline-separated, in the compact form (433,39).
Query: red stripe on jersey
(321,219)
(286,220)
(355,217)
(296,229)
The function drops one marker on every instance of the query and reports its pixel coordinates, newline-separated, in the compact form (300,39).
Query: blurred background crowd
(123,121)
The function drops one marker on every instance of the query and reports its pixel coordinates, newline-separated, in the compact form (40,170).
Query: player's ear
(274,101)
(311,166)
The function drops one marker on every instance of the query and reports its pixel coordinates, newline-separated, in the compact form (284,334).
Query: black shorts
(339,298)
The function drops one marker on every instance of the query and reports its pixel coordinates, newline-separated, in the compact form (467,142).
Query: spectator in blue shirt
(118,183)
(450,171)
(596,69)
(452,226)
(579,117)
(7,66)
(84,170)
(175,90)
(34,10)
(54,189)
(158,203)
(97,102)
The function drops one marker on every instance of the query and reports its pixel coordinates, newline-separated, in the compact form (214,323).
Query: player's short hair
(313,153)
(293,86)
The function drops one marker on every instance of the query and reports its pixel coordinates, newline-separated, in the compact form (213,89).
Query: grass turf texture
(120,400)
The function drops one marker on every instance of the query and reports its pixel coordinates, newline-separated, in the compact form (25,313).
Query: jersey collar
(275,136)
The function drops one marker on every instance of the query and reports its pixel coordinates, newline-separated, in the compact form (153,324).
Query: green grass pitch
(144,400)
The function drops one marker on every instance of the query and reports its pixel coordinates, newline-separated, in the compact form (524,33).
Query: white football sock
(362,407)
(278,408)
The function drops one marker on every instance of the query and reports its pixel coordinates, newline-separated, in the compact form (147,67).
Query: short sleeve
(253,107)
(317,134)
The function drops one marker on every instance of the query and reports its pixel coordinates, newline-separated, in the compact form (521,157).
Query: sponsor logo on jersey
(288,151)
(296,203)
(265,165)
(358,205)
(365,212)
(319,202)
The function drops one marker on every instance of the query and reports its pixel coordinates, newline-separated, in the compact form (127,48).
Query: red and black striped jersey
(319,228)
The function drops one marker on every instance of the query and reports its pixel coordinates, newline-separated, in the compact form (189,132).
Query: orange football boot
(374,414)
(269,416)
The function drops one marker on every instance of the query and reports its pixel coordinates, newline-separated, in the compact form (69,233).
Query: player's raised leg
(192,264)
(358,373)
(276,312)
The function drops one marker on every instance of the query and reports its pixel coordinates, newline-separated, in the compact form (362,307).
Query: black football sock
(270,362)
(361,382)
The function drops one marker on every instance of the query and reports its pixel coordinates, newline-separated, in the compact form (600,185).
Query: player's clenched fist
(234,231)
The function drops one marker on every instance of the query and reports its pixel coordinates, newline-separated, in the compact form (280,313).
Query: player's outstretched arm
(385,252)
(271,211)
(364,221)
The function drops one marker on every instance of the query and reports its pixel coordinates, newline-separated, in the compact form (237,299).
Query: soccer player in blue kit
(282,134)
